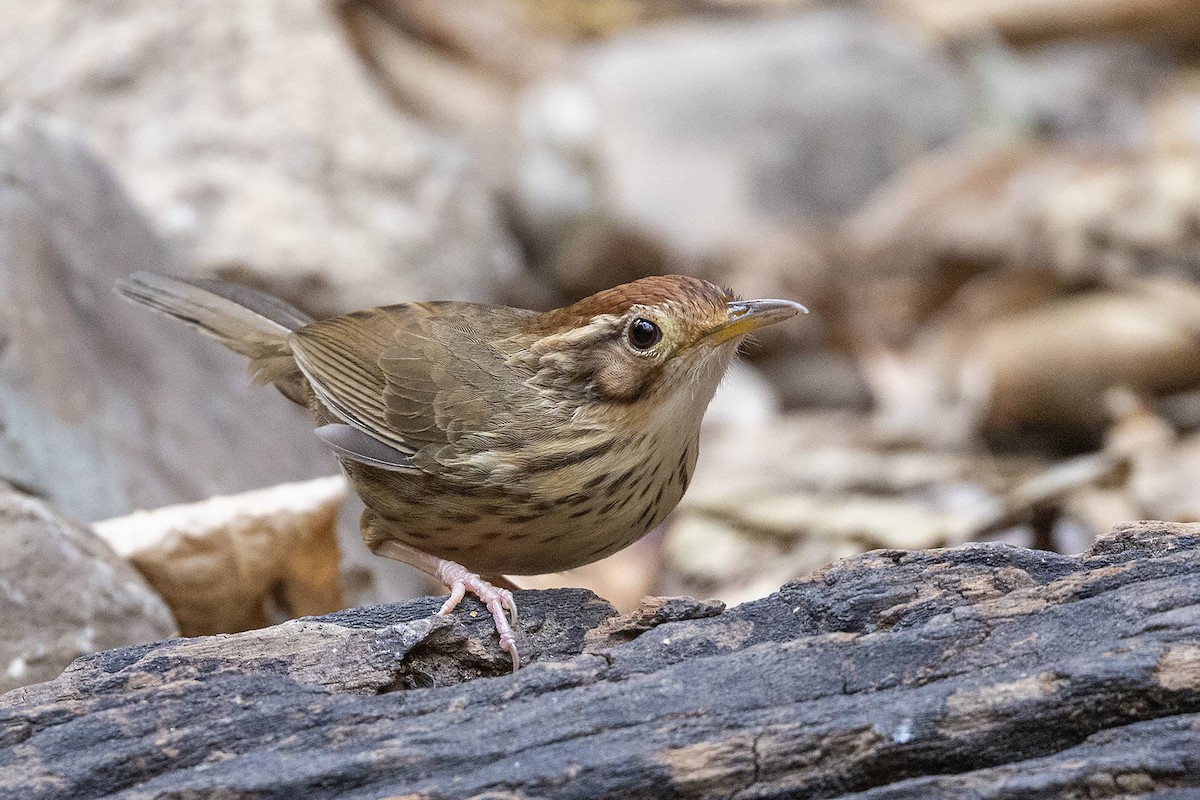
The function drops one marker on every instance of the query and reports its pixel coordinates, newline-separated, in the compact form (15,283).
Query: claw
(460,580)
(457,592)
(499,603)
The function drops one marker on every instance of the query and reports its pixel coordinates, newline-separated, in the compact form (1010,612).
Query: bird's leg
(460,580)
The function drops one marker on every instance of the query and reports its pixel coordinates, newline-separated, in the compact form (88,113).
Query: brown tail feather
(246,321)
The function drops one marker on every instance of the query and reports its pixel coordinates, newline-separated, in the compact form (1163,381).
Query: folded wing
(421,379)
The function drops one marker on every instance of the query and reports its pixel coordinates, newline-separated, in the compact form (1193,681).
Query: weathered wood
(979,672)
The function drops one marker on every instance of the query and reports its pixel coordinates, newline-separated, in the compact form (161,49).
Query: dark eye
(643,334)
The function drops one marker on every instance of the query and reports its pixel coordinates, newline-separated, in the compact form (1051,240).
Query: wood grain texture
(979,672)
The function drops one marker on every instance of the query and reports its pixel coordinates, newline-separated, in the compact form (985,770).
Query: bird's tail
(245,320)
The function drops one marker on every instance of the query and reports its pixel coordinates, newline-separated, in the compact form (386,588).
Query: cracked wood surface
(985,671)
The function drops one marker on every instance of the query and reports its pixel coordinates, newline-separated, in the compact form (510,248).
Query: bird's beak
(748,315)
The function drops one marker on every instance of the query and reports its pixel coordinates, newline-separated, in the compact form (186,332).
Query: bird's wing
(421,378)
(349,442)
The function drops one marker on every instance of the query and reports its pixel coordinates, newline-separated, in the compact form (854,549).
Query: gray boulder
(705,132)
(64,593)
(262,149)
(103,407)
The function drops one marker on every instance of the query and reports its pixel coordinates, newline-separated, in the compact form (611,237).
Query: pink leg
(460,580)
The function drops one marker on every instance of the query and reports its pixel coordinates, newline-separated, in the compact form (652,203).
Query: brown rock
(1177,20)
(1043,371)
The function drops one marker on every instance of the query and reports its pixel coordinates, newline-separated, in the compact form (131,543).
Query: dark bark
(980,672)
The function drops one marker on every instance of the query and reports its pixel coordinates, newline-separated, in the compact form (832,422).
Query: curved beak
(749,315)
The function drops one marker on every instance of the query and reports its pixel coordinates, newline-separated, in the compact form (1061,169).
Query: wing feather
(420,378)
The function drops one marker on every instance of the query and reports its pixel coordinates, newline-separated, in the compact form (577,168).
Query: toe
(457,592)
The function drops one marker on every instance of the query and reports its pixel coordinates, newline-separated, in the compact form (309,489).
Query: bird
(488,441)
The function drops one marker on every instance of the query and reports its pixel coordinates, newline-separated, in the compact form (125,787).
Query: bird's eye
(643,334)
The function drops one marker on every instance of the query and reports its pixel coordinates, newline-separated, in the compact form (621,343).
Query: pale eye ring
(643,334)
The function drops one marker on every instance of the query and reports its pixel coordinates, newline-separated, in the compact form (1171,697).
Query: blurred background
(992,208)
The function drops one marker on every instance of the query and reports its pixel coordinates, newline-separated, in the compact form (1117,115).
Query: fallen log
(984,671)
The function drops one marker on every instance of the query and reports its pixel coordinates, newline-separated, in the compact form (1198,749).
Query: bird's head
(648,341)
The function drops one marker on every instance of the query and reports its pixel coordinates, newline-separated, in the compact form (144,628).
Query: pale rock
(229,564)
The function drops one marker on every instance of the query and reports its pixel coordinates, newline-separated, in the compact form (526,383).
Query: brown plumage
(491,440)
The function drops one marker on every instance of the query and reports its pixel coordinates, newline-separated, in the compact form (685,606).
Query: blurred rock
(597,254)
(262,149)
(1084,214)
(556,190)
(1067,90)
(810,362)
(458,63)
(833,451)
(742,549)
(623,579)
(1044,372)
(104,407)
(1176,110)
(64,593)
(1162,465)
(856,520)
(776,496)
(230,564)
(707,132)
(1039,500)
(1177,20)
(744,400)
(718,559)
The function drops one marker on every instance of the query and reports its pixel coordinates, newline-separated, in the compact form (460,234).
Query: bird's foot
(498,601)
(460,580)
